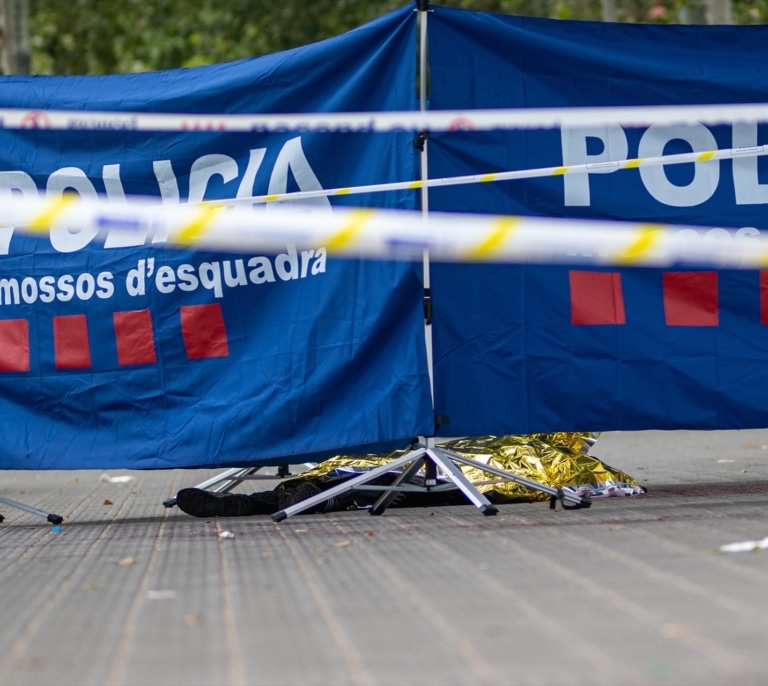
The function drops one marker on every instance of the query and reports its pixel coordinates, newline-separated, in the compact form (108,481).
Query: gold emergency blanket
(557,460)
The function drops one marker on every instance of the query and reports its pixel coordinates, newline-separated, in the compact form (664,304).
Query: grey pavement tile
(629,591)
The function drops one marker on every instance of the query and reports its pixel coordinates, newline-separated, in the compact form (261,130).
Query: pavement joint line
(705,647)
(555,627)
(45,532)
(126,642)
(747,572)
(740,609)
(27,551)
(349,653)
(620,520)
(16,651)
(235,663)
(458,643)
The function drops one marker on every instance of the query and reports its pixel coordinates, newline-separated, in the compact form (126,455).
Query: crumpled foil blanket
(556,460)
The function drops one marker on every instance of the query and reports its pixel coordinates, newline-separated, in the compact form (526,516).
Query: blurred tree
(83,37)
(87,37)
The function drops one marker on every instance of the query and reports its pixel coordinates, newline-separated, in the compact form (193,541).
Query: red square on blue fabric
(205,335)
(596,298)
(690,299)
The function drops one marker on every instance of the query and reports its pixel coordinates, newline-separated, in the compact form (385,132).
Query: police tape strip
(382,234)
(431,120)
(562,170)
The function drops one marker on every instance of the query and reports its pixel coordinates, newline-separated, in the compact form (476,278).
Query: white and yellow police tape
(430,120)
(385,234)
(560,170)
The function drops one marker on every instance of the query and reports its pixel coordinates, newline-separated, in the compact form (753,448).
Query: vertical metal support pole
(14,44)
(8,42)
(423,139)
(21,41)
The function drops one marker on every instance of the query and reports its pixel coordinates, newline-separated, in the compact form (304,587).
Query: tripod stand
(430,457)
(52,518)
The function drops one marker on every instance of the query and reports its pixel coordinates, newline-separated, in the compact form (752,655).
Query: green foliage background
(94,37)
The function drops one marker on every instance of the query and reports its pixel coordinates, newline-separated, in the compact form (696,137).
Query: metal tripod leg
(535,485)
(450,470)
(388,496)
(347,486)
(417,456)
(441,457)
(52,518)
(447,461)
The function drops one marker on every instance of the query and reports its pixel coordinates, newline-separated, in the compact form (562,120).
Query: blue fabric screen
(128,355)
(527,349)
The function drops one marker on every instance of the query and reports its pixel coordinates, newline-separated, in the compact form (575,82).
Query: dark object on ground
(200,503)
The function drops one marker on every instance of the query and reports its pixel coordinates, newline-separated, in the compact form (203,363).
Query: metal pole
(609,10)
(719,11)
(421,143)
(14,52)
(21,36)
(8,52)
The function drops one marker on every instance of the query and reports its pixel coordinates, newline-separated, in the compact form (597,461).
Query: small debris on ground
(744,546)
(121,479)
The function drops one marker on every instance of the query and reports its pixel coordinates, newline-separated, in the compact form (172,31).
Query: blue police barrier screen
(526,349)
(118,354)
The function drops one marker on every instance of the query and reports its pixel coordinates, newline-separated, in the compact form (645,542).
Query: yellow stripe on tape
(559,171)
(485,178)
(706,156)
(498,235)
(52,209)
(349,230)
(641,246)
(193,230)
(632,164)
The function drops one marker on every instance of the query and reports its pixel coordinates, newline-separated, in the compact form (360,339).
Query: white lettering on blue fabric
(291,162)
(597,147)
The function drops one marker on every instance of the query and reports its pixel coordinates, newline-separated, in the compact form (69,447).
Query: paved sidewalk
(630,591)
